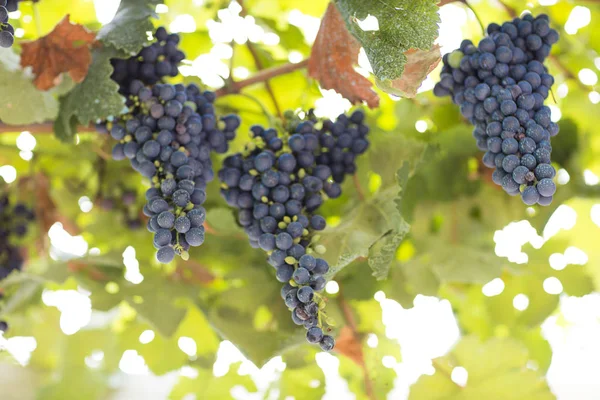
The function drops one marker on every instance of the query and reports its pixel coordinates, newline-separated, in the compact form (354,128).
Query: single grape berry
(327,343)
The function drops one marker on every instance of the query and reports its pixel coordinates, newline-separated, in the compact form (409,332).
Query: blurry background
(514,288)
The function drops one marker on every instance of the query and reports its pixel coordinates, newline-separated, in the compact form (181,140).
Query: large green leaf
(96,98)
(497,371)
(21,102)
(128,30)
(363,225)
(302,378)
(207,386)
(233,313)
(403,24)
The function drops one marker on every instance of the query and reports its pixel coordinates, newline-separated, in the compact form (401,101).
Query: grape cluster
(124,201)
(500,86)
(13,226)
(7,31)
(151,65)
(169,135)
(278,184)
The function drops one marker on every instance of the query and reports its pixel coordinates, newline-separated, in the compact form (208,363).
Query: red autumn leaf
(333,57)
(419,64)
(65,49)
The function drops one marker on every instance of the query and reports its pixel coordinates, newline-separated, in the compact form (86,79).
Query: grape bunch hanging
(277,184)
(500,86)
(168,134)
(14,221)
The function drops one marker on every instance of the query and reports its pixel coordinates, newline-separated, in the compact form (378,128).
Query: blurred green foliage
(419,218)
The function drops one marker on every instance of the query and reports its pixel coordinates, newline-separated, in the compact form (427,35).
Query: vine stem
(44,127)
(351,322)
(233,88)
(262,76)
(260,66)
(359,189)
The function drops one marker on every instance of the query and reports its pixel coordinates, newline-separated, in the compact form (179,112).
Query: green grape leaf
(207,386)
(96,98)
(363,226)
(449,262)
(381,376)
(128,30)
(257,334)
(403,25)
(496,368)
(155,298)
(302,378)
(224,220)
(21,102)
(382,253)
(28,292)
(163,354)
(75,381)
(159,307)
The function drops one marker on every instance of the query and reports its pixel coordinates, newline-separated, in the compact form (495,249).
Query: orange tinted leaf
(419,64)
(348,345)
(65,49)
(333,57)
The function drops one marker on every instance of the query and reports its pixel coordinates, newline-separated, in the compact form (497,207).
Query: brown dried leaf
(420,63)
(193,272)
(348,345)
(333,57)
(65,49)
(46,211)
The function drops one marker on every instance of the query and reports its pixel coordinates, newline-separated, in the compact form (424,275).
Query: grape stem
(351,323)
(234,88)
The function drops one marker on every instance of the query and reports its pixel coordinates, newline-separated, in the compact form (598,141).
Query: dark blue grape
(197,217)
(306,294)
(263,162)
(307,262)
(327,343)
(543,171)
(510,146)
(301,276)
(166,219)
(162,238)
(284,272)
(530,195)
(284,241)
(266,242)
(260,211)
(510,162)
(195,236)
(546,187)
